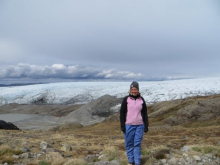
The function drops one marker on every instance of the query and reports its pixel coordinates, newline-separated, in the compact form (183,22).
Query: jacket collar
(134,97)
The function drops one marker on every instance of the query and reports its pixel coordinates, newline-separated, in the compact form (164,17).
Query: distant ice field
(83,92)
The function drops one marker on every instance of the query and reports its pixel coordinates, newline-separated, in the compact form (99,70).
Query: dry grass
(75,161)
(202,124)
(108,138)
(32,162)
(6,153)
(158,152)
(6,150)
(58,161)
(112,152)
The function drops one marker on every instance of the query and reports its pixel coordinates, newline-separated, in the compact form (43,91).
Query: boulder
(7,126)
(197,158)
(66,148)
(185,149)
(172,161)
(25,149)
(54,156)
(26,155)
(16,156)
(44,145)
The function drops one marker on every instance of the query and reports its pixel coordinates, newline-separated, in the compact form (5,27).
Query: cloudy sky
(109,39)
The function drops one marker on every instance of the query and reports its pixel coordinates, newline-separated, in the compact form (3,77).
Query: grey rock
(185,149)
(51,150)
(197,158)
(114,162)
(24,143)
(101,163)
(39,155)
(172,161)
(185,155)
(26,155)
(16,156)
(163,161)
(66,148)
(44,145)
(53,155)
(90,157)
(210,155)
(184,137)
(189,160)
(182,161)
(219,142)
(24,149)
(200,163)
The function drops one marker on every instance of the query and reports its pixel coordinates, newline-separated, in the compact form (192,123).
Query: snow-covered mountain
(83,92)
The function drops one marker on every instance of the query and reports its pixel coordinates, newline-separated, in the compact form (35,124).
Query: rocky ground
(189,141)
(103,143)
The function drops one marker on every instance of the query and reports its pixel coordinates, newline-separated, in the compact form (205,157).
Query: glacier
(84,92)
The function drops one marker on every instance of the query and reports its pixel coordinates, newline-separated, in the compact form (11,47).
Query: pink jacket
(134,108)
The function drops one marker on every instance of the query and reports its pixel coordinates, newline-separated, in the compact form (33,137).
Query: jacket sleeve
(145,115)
(123,113)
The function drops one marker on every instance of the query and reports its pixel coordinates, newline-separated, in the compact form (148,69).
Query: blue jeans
(133,137)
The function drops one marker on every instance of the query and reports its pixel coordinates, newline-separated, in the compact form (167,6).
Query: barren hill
(93,112)
(193,110)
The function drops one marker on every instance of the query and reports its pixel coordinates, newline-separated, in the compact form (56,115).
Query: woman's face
(134,91)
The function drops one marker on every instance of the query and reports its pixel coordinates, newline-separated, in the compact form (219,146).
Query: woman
(134,122)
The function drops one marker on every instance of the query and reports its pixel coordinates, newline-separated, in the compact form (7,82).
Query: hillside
(93,112)
(191,138)
(192,111)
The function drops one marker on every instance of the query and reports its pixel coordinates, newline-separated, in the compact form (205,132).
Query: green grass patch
(210,149)
(44,163)
(197,149)
(145,152)
(95,160)
(206,149)
(112,158)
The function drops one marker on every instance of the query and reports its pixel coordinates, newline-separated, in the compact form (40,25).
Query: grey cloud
(66,72)
(155,38)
